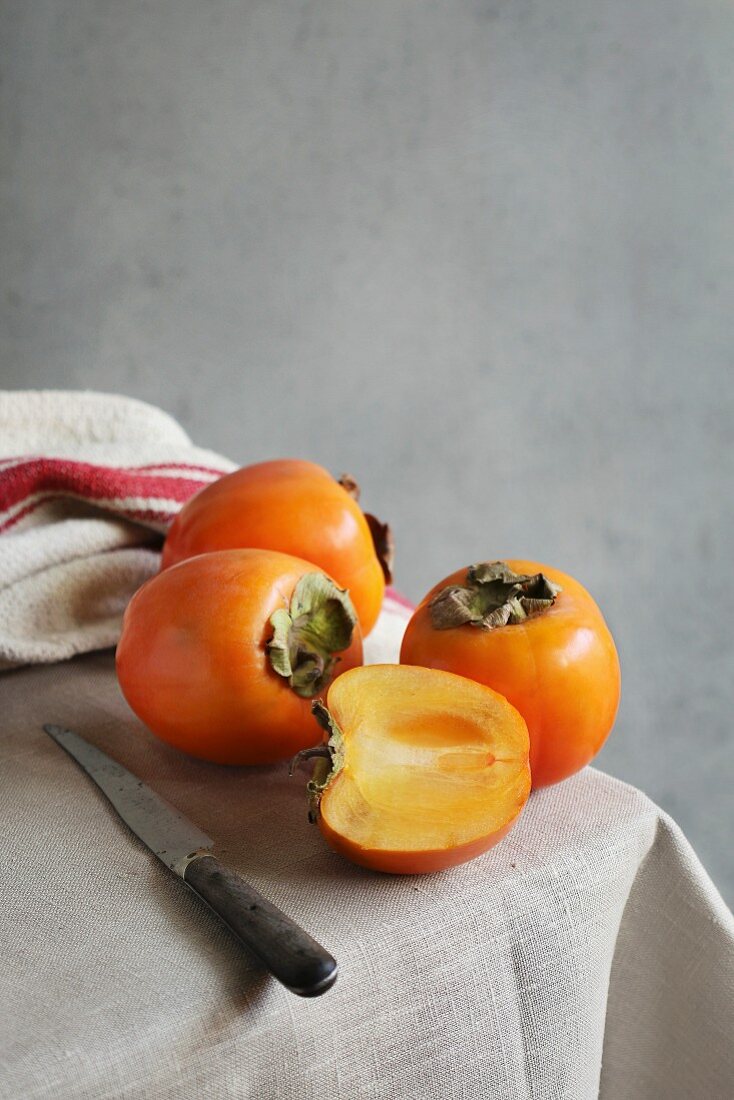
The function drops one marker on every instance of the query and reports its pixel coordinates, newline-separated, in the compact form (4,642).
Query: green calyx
(493,596)
(329,757)
(318,624)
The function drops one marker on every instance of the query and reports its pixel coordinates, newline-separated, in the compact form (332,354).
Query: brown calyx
(382,536)
(350,485)
(384,543)
(493,596)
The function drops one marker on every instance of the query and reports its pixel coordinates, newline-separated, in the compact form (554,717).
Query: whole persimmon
(537,637)
(220,655)
(298,508)
(422,769)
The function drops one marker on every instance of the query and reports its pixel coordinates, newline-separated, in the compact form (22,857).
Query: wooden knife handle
(289,953)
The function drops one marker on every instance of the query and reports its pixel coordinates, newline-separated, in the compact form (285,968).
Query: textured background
(478,253)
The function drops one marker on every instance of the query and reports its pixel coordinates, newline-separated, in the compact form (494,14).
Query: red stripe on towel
(61,475)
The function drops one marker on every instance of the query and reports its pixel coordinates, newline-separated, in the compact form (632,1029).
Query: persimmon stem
(321,751)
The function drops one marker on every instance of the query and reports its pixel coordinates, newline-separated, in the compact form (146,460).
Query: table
(586,955)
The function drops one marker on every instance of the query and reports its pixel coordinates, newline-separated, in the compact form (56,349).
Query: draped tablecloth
(588,953)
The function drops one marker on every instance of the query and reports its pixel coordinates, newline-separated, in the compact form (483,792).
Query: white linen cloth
(586,954)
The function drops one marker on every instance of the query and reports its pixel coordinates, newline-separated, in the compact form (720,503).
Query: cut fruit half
(428,769)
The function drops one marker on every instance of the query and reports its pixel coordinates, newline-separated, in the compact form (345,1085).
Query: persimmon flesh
(429,769)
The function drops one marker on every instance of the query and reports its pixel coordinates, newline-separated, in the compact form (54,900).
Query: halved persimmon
(422,770)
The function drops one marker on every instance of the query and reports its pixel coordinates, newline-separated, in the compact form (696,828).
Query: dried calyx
(493,596)
(329,757)
(350,485)
(317,625)
(382,536)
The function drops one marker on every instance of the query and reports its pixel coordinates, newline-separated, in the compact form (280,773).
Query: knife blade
(282,946)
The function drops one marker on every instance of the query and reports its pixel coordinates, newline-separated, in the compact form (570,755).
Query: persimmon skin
(411,863)
(559,669)
(192,660)
(293,506)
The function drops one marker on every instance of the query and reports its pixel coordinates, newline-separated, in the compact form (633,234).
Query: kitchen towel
(89,483)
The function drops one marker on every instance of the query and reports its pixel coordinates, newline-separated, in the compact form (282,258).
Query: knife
(285,949)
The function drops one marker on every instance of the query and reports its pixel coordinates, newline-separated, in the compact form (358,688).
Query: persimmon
(220,655)
(298,508)
(537,637)
(422,769)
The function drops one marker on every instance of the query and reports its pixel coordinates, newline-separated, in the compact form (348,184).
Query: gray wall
(477,253)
